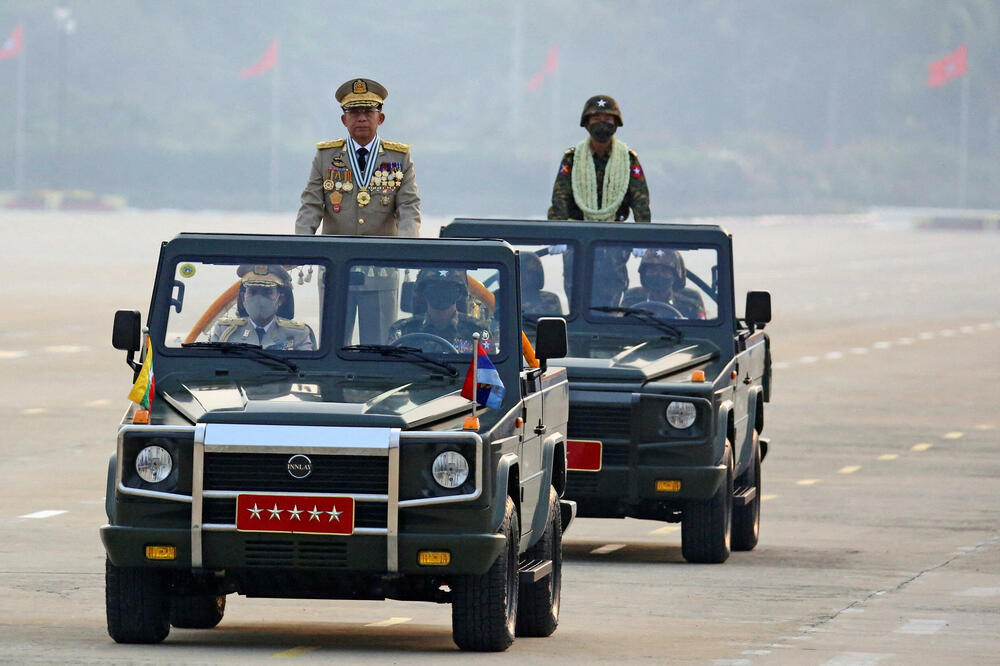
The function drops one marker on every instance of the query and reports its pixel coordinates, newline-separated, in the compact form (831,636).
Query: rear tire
(484,607)
(137,604)
(706,525)
(203,611)
(746,518)
(538,611)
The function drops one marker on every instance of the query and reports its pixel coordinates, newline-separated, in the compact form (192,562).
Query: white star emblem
(275,512)
(255,512)
(601,102)
(314,514)
(443,272)
(293,513)
(334,514)
(659,253)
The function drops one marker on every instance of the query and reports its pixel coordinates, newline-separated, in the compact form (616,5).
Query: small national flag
(144,388)
(549,67)
(267,62)
(950,67)
(13,45)
(489,389)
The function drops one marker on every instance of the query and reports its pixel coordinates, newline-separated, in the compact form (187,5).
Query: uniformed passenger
(363,186)
(439,302)
(265,307)
(533,299)
(662,275)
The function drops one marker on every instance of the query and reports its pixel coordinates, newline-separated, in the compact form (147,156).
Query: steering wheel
(659,308)
(416,338)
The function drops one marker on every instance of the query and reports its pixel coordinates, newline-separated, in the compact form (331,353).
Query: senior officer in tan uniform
(265,307)
(363,186)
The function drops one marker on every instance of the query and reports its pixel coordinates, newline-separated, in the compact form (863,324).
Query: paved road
(879,542)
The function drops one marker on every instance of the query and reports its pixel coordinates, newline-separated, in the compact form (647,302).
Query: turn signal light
(667,486)
(433,558)
(698,376)
(161,552)
(141,416)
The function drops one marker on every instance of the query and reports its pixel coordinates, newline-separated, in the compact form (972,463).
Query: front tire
(746,518)
(484,607)
(202,611)
(538,613)
(706,525)
(137,604)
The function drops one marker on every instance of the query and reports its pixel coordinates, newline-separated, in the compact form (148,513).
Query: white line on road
(859,350)
(926,335)
(295,651)
(31,411)
(882,344)
(888,456)
(607,548)
(953,435)
(11,353)
(665,530)
(922,627)
(805,360)
(807,482)
(849,469)
(97,403)
(764,498)
(391,621)
(922,446)
(48,513)
(833,356)
(856,659)
(65,349)
(979,592)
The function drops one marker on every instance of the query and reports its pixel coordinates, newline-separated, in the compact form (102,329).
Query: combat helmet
(661,257)
(532,274)
(428,280)
(601,104)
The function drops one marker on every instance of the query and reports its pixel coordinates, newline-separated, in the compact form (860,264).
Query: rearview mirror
(550,339)
(758,308)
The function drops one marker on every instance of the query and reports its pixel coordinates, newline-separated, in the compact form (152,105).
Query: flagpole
(275,125)
(963,141)
(19,123)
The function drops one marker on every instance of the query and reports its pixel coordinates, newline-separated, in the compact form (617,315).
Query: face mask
(441,297)
(260,308)
(657,283)
(601,131)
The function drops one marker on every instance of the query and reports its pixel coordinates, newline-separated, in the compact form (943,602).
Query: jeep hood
(325,401)
(642,362)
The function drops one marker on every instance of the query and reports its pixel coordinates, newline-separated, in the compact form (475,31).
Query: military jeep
(305,436)
(667,383)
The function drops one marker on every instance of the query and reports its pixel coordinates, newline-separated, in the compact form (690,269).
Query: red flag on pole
(550,66)
(267,62)
(950,67)
(14,43)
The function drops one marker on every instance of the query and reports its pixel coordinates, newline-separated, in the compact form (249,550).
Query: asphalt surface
(880,538)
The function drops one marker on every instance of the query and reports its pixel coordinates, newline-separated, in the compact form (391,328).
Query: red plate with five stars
(302,514)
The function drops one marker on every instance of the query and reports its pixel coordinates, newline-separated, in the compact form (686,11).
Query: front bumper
(636,484)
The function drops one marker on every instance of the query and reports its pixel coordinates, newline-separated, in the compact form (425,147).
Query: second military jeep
(302,433)
(667,383)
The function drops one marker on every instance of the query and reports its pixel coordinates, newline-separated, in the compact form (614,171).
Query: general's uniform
(458,331)
(281,334)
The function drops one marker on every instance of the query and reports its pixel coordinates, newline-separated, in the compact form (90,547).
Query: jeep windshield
(254,302)
(432,309)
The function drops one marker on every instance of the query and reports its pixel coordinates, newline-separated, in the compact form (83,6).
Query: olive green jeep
(303,428)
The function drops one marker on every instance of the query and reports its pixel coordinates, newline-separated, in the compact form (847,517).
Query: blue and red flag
(489,389)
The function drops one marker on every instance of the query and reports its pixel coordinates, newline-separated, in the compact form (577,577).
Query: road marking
(97,403)
(607,548)
(756,652)
(953,435)
(834,356)
(764,498)
(904,341)
(296,651)
(979,592)
(11,353)
(922,446)
(968,329)
(65,349)
(391,621)
(859,350)
(882,344)
(985,426)
(922,627)
(731,662)
(780,365)
(665,530)
(926,335)
(48,513)
(807,482)
(33,410)
(985,327)
(849,469)
(947,333)
(806,360)
(856,659)
(888,456)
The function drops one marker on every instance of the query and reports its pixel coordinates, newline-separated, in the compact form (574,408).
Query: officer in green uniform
(662,275)
(265,307)
(363,186)
(534,301)
(439,304)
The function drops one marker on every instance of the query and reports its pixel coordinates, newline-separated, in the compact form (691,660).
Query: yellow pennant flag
(142,390)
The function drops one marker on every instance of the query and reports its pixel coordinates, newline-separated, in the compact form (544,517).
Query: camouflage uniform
(458,331)
(687,301)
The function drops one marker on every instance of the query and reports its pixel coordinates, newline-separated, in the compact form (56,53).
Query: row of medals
(383,180)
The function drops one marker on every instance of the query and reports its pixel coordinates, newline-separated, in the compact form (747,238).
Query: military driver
(662,275)
(265,307)
(439,304)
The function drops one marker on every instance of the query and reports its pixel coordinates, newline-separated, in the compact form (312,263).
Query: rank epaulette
(288,323)
(398,147)
(233,321)
(336,143)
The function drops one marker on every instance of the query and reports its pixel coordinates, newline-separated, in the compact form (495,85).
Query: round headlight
(681,415)
(450,469)
(154,464)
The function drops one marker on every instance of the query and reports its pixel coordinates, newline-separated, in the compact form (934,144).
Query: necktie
(362,159)
(260,335)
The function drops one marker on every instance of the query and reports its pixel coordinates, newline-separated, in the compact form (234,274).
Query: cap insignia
(360,87)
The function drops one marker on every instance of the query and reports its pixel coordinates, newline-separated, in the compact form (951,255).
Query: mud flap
(567,512)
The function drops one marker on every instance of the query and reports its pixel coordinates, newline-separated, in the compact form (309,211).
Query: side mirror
(550,339)
(127,330)
(758,308)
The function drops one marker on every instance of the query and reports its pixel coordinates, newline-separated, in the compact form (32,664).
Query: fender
(721,430)
(554,442)
(504,465)
(109,493)
(754,398)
